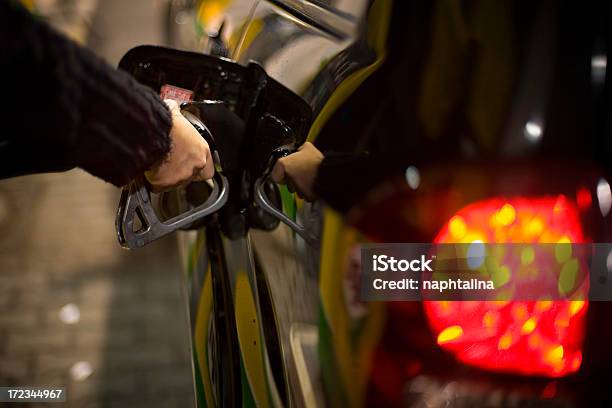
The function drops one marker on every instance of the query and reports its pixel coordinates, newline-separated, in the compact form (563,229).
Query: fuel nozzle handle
(137,223)
(262,199)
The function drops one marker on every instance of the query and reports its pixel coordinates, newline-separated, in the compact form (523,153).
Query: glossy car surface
(496,103)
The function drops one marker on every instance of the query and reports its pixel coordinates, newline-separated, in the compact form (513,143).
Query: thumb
(208,171)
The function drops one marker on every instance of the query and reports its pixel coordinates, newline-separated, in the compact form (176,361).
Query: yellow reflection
(457,227)
(505,342)
(554,355)
(528,326)
(506,215)
(449,334)
(576,306)
(535,226)
(543,305)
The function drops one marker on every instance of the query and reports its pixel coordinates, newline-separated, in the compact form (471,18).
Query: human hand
(189,158)
(299,170)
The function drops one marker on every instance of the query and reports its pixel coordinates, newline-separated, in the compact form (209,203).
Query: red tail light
(534,338)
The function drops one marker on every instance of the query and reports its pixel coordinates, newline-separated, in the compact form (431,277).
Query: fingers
(209,169)
(281,174)
(306,146)
(189,159)
(172,106)
(278,173)
(155,185)
(299,170)
(205,171)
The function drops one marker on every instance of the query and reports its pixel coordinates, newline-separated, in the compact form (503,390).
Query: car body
(506,102)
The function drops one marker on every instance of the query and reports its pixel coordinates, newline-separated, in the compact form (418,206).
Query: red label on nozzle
(180,95)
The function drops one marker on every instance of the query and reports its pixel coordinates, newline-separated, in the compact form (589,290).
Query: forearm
(67,108)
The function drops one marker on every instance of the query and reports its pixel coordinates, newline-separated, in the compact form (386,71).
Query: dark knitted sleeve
(64,107)
(344,178)
(339,182)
